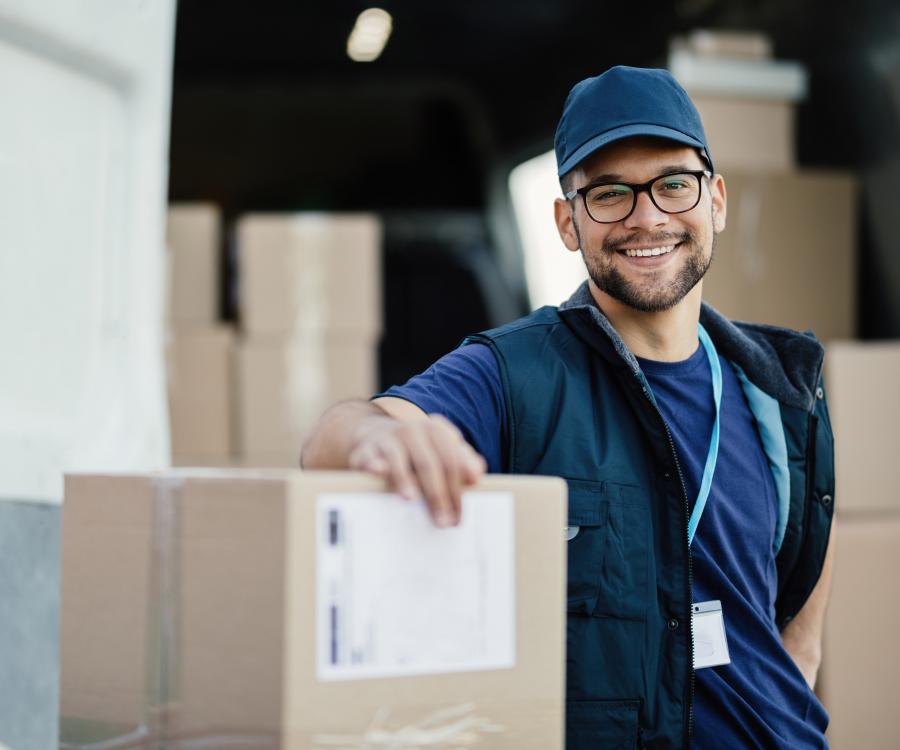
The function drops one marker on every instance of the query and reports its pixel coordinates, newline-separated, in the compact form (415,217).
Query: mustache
(656,239)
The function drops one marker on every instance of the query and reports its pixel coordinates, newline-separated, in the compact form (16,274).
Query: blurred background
(270,113)
(219,219)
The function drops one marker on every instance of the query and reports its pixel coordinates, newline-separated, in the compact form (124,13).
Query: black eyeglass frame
(637,189)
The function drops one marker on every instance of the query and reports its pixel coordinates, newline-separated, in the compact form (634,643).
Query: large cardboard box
(200,363)
(788,253)
(310,272)
(862,380)
(285,386)
(193,237)
(861,654)
(189,614)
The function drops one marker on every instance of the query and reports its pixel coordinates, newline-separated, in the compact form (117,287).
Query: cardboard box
(310,272)
(201,395)
(284,387)
(747,105)
(189,611)
(106,565)
(752,134)
(272,460)
(701,74)
(864,402)
(193,237)
(861,652)
(788,253)
(745,45)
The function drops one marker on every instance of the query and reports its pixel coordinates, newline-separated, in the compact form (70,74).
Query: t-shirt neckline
(678,369)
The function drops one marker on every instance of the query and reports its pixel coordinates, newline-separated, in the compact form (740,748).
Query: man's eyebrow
(605,179)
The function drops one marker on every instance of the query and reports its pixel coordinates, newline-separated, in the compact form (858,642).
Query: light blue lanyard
(713,454)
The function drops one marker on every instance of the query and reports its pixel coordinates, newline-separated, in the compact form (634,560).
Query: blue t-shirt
(760,700)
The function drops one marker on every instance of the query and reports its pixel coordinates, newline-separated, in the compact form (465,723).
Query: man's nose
(646,215)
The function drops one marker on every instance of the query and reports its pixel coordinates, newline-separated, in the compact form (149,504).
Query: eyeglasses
(670,193)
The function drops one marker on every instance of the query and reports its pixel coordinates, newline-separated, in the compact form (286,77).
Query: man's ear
(719,202)
(565,224)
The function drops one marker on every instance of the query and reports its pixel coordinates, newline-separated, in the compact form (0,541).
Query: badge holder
(710,643)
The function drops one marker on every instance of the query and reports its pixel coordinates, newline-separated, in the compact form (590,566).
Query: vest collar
(783,363)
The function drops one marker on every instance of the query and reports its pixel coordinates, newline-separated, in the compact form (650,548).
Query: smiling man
(698,452)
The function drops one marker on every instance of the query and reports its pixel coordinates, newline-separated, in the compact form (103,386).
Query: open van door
(85,88)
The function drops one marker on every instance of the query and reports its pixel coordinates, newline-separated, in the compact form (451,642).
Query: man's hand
(419,455)
(426,458)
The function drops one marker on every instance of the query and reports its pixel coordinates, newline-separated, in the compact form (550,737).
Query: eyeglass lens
(671,193)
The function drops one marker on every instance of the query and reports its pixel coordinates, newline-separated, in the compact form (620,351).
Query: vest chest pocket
(609,552)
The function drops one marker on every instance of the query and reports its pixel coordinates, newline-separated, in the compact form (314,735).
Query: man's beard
(648,296)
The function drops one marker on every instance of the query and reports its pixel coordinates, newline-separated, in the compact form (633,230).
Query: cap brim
(620,133)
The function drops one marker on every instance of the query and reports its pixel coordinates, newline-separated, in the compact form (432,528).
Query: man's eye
(673,185)
(609,194)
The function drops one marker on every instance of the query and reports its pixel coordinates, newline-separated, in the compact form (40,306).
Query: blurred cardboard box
(730,76)
(861,652)
(744,45)
(201,395)
(788,254)
(747,105)
(284,387)
(192,612)
(862,380)
(748,134)
(310,272)
(193,236)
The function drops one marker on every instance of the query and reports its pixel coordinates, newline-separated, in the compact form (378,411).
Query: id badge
(710,643)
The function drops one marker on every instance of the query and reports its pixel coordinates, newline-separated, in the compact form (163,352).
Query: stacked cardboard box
(200,384)
(193,235)
(861,651)
(746,99)
(788,253)
(864,401)
(310,300)
(200,348)
(190,616)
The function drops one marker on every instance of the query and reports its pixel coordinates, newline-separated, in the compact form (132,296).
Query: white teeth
(641,253)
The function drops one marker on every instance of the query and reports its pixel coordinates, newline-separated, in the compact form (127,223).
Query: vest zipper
(690,577)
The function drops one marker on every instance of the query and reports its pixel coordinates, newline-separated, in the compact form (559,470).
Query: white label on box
(396,595)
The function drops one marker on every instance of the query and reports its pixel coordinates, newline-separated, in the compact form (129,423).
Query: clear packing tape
(449,729)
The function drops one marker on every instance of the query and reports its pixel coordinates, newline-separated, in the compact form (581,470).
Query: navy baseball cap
(621,103)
